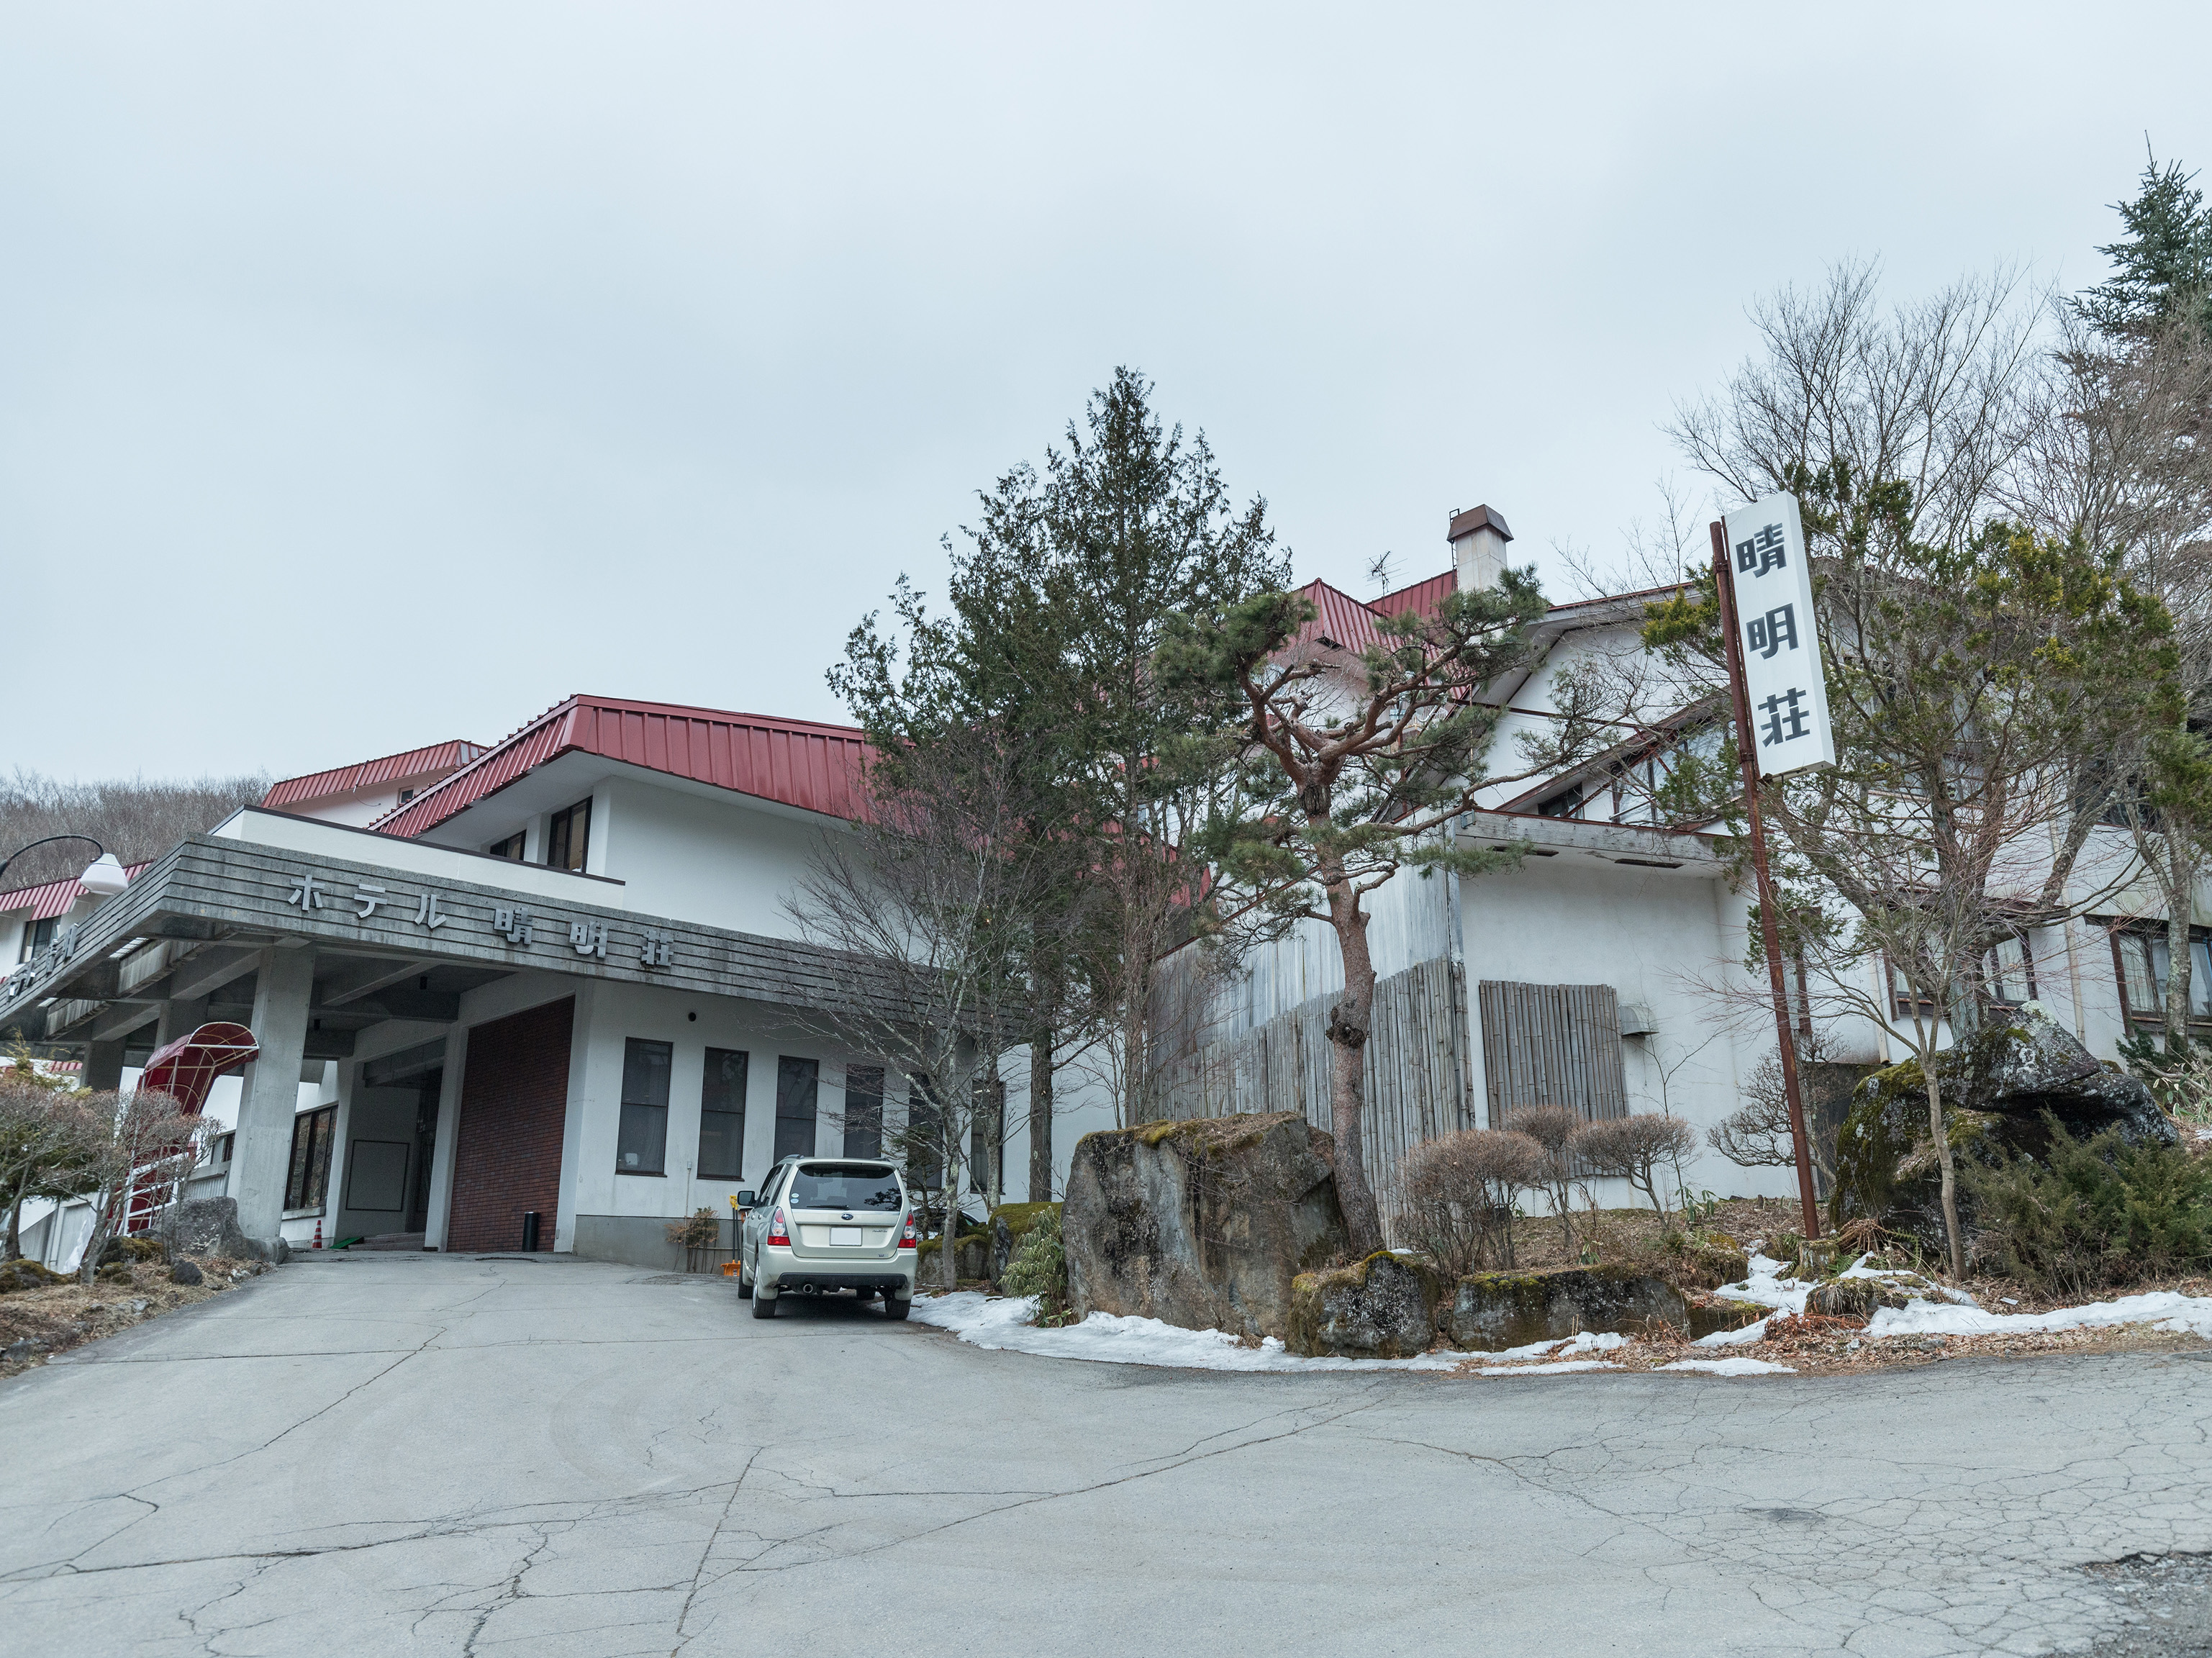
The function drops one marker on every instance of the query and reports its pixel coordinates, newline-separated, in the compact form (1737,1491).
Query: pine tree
(2164,265)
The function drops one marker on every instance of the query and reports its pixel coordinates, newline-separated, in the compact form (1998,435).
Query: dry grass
(1629,1236)
(65,1315)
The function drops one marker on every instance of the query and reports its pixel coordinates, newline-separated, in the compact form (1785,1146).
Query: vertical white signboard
(1777,638)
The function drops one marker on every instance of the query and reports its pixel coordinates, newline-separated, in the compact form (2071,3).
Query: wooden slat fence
(1551,1045)
(1416,1069)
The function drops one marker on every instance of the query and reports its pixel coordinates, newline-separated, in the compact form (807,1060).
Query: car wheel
(895,1306)
(763,1306)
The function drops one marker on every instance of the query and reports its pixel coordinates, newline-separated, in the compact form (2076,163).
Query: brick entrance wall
(507,1152)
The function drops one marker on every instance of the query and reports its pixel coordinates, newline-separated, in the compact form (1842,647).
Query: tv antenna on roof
(1378,571)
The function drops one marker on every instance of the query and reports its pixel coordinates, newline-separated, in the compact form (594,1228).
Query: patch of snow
(1002,1325)
(1588,1341)
(1742,1338)
(1911,1282)
(1558,1368)
(2168,1310)
(1767,1287)
(1736,1366)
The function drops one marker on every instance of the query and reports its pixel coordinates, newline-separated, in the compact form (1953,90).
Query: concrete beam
(369,978)
(103,1065)
(262,1153)
(208,970)
(180,1017)
(120,1019)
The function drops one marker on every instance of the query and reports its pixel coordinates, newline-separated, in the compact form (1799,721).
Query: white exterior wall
(722,860)
(1653,935)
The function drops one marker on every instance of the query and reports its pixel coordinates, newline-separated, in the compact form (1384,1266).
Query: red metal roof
(1340,619)
(52,898)
(437,759)
(1421,599)
(797,763)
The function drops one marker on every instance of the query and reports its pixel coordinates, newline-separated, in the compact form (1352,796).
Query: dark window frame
(37,935)
(569,837)
(510,848)
(864,1110)
(730,1133)
(641,1114)
(2154,1017)
(308,1169)
(797,1077)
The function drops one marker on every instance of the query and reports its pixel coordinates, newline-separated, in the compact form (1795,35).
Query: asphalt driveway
(431,1454)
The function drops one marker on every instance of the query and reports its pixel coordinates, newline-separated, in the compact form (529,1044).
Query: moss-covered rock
(973,1259)
(1383,1307)
(133,1251)
(1492,1311)
(29,1275)
(1704,1261)
(1711,1314)
(1201,1223)
(1996,1091)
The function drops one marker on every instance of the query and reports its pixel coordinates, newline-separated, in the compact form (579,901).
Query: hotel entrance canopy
(398,930)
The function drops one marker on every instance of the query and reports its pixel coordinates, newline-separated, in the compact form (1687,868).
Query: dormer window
(569,836)
(510,848)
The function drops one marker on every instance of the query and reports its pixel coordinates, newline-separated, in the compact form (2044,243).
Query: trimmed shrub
(2092,1212)
(1458,1194)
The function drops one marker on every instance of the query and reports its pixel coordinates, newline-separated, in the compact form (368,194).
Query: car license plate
(845,1237)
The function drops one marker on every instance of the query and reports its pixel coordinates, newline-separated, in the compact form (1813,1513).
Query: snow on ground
(1103,1337)
(1742,1338)
(1107,1337)
(1768,1288)
(1736,1366)
(1562,1366)
(2168,1310)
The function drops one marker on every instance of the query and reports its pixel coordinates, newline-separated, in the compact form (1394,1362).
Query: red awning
(188,1066)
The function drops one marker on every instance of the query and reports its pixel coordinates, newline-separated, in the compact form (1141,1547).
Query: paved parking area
(441,1455)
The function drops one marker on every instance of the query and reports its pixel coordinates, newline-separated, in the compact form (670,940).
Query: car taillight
(777,1231)
(910,1238)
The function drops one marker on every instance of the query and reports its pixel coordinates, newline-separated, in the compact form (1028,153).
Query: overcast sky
(371,375)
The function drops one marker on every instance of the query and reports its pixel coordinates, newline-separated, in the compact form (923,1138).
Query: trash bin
(529,1230)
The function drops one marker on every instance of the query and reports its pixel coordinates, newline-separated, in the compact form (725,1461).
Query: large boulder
(209,1226)
(1492,1311)
(1202,1224)
(1997,1091)
(1383,1307)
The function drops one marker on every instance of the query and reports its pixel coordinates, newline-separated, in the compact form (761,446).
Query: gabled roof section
(437,759)
(1340,620)
(795,762)
(52,898)
(1421,599)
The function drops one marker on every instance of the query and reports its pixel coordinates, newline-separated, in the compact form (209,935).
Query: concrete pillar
(180,1017)
(448,1137)
(103,1065)
(270,1096)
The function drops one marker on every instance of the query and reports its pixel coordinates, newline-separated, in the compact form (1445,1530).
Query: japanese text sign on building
(1777,638)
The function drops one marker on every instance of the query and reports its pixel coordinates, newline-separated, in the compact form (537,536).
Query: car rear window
(845,1186)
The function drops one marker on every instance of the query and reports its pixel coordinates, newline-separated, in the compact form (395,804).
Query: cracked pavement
(434,1455)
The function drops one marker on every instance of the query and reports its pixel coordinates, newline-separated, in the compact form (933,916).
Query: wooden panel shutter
(1551,1045)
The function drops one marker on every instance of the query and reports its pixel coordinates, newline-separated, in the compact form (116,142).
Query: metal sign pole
(1770,915)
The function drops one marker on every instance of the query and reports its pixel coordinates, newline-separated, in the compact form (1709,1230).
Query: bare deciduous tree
(927,898)
(1636,1149)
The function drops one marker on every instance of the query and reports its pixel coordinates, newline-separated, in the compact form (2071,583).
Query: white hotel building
(558,976)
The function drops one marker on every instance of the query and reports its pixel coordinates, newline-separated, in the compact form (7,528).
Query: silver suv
(823,1223)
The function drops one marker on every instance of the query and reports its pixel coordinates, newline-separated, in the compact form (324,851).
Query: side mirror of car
(746,1198)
